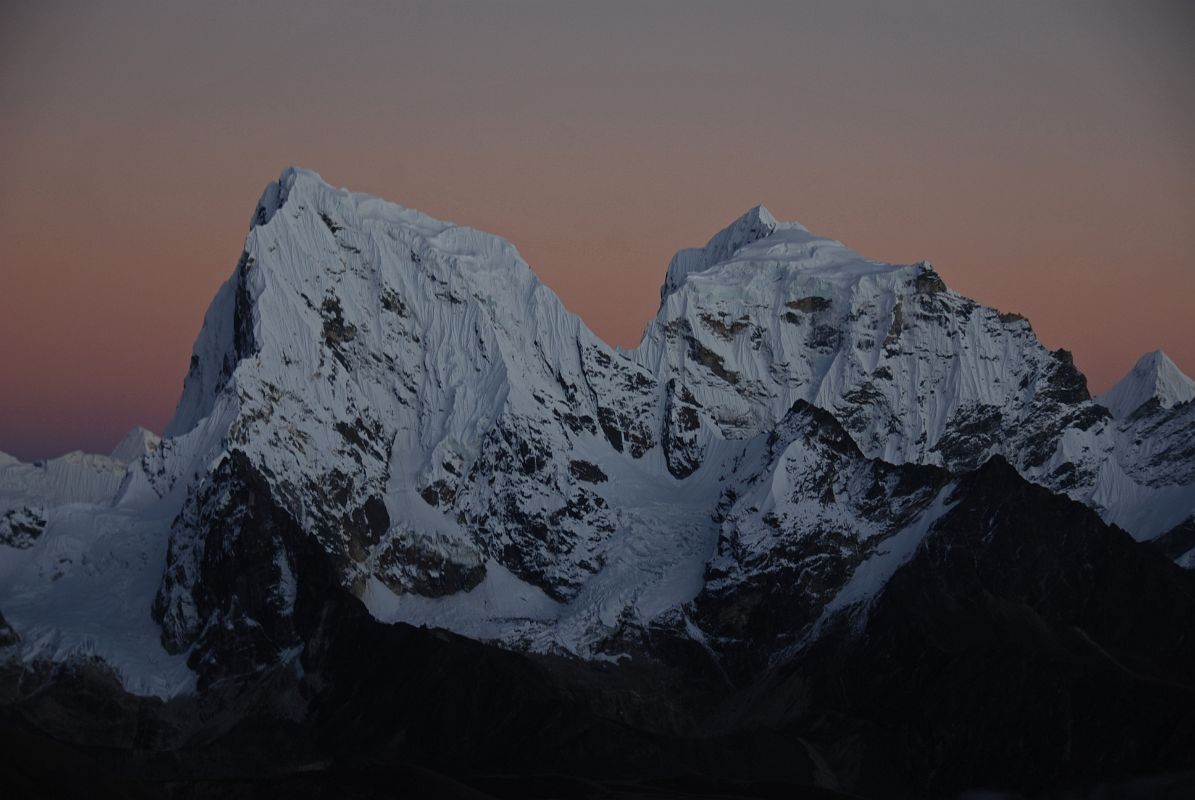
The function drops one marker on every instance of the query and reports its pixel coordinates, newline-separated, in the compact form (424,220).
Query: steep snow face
(419,403)
(1154,377)
(73,478)
(1148,488)
(136,443)
(414,397)
(756,224)
(901,360)
(29,490)
(405,394)
(768,314)
(76,477)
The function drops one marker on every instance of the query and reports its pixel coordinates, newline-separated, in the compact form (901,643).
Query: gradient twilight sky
(1042,155)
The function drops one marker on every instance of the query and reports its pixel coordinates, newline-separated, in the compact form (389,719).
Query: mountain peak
(276,193)
(135,444)
(757,223)
(756,215)
(1154,377)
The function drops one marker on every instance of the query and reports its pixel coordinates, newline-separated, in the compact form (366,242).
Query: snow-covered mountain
(467,454)
(29,490)
(768,313)
(133,445)
(1154,377)
(1148,487)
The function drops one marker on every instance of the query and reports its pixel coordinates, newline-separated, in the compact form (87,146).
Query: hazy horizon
(1041,156)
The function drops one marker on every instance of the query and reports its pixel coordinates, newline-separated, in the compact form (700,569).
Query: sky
(1040,155)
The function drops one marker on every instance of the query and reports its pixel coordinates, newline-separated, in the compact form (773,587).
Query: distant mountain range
(831,524)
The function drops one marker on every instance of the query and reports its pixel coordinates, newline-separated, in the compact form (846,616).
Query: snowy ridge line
(466,453)
(1154,377)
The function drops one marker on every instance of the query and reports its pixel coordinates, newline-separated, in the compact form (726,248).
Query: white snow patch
(870,577)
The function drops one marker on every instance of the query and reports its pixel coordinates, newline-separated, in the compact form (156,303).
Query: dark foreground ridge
(1026,647)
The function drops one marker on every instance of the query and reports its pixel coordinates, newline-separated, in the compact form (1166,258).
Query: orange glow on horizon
(1043,158)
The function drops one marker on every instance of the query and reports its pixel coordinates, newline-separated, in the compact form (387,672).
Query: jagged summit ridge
(1153,377)
(324,229)
(420,403)
(758,223)
(465,453)
(466,425)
